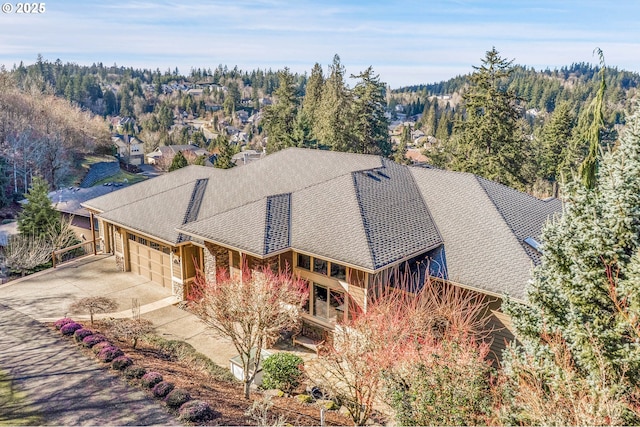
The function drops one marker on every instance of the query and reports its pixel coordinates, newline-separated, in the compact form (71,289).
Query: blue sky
(406,42)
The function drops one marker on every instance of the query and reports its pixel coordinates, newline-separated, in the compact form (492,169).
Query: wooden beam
(93,233)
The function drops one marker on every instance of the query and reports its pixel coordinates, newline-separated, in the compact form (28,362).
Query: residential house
(129,149)
(344,222)
(163,156)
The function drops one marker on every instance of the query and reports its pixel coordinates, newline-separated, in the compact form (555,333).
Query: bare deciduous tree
(131,329)
(388,334)
(93,305)
(251,311)
(24,253)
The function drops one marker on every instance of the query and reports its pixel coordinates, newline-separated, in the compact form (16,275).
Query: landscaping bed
(184,370)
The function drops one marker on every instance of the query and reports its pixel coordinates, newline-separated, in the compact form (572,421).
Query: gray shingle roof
(481,248)
(525,214)
(362,210)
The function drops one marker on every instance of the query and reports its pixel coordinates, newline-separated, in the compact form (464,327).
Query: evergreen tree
(489,141)
(225,157)
(313,94)
(555,140)
(334,121)
(278,119)
(38,217)
(586,288)
(370,125)
(179,161)
(400,154)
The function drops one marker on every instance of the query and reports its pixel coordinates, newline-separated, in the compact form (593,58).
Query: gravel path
(62,385)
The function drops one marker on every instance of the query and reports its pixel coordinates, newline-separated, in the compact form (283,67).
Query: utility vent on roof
(533,243)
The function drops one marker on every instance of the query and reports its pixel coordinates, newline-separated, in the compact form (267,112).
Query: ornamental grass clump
(60,323)
(81,334)
(134,372)
(70,328)
(163,388)
(177,398)
(92,340)
(120,363)
(150,379)
(197,411)
(107,354)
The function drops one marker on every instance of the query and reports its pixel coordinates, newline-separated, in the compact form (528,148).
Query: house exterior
(163,156)
(343,222)
(129,148)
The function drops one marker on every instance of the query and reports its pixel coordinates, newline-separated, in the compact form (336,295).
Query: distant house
(243,116)
(129,149)
(248,156)
(163,156)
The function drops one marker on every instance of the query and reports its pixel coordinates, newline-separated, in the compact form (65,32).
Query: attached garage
(150,259)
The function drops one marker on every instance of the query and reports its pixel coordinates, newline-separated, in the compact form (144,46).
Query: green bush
(134,372)
(282,371)
(177,397)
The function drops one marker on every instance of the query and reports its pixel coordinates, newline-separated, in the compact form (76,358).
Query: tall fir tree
(226,152)
(489,141)
(278,119)
(38,217)
(370,125)
(313,96)
(555,143)
(334,121)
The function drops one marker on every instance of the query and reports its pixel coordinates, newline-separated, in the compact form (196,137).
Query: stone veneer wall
(215,258)
(119,250)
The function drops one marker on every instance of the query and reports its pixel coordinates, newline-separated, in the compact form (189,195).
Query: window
(338,271)
(142,240)
(304,261)
(328,304)
(131,237)
(320,266)
(154,246)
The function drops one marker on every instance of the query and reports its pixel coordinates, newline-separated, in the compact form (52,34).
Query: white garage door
(150,263)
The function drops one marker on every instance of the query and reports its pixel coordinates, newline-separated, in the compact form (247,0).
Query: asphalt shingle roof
(362,210)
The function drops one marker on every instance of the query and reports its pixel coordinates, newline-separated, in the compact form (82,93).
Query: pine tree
(38,217)
(313,95)
(225,158)
(278,119)
(489,141)
(586,288)
(555,142)
(179,161)
(370,125)
(400,154)
(334,121)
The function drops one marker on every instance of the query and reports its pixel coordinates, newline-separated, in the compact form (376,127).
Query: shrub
(151,378)
(60,323)
(107,354)
(197,411)
(120,363)
(81,334)
(130,329)
(282,371)
(70,328)
(162,389)
(92,340)
(134,372)
(99,346)
(177,398)
(304,398)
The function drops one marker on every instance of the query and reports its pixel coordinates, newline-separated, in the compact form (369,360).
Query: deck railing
(61,256)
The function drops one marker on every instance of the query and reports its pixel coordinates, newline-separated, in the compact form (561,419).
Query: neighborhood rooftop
(361,210)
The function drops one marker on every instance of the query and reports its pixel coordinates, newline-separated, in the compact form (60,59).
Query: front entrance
(149,260)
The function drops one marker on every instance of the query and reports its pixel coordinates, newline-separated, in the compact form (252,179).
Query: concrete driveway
(46,296)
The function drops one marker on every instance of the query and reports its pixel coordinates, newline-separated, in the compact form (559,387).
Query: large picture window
(328,304)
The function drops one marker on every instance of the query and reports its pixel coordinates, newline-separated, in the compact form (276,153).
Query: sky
(406,42)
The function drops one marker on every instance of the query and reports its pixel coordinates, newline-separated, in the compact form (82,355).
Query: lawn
(123,176)
(14,408)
